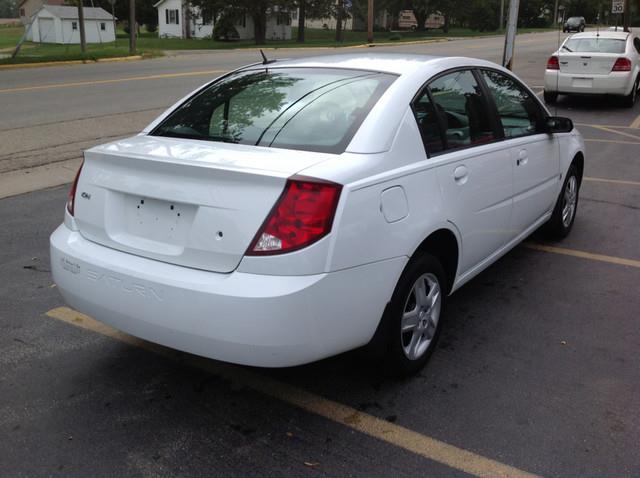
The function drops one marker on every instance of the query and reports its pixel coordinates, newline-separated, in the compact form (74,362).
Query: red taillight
(553,63)
(622,64)
(71,198)
(303,215)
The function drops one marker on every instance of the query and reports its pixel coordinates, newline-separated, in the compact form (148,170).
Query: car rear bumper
(260,320)
(616,83)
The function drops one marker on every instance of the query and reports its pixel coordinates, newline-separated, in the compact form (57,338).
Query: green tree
(421,10)
(9,9)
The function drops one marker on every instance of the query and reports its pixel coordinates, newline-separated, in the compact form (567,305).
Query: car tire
(550,97)
(631,98)
(564,213)
(414,316)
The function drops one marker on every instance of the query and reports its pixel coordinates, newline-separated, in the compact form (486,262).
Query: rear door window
(296,108)
(462,107)
(428,121)
(519,113)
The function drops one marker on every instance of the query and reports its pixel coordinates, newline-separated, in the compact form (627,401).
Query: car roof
(602,34)
(395,63)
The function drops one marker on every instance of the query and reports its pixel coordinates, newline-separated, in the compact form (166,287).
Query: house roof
(45,2)
(157,4)
(90,13)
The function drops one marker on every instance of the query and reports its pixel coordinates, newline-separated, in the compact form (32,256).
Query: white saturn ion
(595,63)
(290,211)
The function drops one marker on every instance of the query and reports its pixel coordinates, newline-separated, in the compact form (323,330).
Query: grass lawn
(9,36)
(150,45)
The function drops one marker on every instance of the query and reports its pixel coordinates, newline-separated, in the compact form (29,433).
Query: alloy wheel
(569,201)
(420,316)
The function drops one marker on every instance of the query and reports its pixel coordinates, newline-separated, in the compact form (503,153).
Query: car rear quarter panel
(363,234)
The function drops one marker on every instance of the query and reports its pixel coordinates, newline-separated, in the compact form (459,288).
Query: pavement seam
(110,80)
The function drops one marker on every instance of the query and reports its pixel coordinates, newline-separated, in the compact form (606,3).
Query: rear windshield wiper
(567,48)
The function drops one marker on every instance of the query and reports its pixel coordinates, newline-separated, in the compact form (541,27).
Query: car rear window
(296,108)
(595,45)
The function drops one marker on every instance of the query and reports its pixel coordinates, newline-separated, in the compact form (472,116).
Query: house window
(74,25)
(103,27)
(22,13)
(171,17)
(283,19)
(242,21)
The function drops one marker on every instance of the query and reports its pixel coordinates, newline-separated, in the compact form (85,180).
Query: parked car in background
(294,210)
(595,63)
(574,24)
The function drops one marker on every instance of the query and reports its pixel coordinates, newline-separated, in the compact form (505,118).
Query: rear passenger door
(534,153)
(473,168)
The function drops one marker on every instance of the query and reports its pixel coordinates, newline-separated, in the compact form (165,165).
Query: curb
(340,47)
(69,62)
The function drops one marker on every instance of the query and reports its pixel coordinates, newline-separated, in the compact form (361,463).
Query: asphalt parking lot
(536,372)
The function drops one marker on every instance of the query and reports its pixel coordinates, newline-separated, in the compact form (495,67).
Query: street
(535,373)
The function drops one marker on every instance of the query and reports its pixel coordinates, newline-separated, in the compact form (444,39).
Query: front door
(534,153)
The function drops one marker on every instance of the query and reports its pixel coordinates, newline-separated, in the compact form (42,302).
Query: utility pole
(83,40)
(501,19)
(510,37)
(555,15)
(132,27)
(302,14)
(370,22)
(339,15)
(626,16)
(113,18)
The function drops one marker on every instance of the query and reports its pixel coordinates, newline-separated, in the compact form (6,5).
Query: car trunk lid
(184,202)
(587,63)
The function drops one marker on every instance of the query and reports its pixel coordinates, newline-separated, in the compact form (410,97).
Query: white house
(60,24)
(173,15)
(28,8)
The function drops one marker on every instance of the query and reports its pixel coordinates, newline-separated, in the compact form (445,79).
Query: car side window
(636,44)
(427,119)
(519,112)
(462,110)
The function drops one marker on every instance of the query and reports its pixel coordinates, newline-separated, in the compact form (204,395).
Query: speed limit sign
(617,6)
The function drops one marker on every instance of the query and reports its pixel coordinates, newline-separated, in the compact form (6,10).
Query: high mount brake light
(71,198)
(302,215)
(553,63)
(622,64)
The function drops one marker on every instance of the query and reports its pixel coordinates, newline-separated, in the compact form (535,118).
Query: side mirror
(558,124)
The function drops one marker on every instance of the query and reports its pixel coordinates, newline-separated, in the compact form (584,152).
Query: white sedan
(290,211)
(595,63)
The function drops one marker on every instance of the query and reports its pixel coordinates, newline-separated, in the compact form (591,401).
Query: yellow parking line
(593,140)
(396,435)
(612,181)
(113,80)
(636,123)
(621,133)
(584,255)
(591,125)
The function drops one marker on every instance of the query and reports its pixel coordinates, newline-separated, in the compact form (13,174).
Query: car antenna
(264,58)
